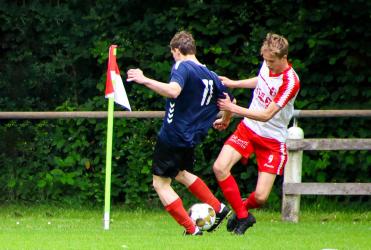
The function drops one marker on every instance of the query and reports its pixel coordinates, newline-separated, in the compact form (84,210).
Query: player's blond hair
(276,44)
(185,42)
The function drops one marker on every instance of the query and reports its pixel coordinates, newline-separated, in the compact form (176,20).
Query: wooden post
(292,174)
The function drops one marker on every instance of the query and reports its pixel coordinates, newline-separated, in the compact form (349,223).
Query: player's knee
(180,176)
(261,199)
(220,170)
(160,183)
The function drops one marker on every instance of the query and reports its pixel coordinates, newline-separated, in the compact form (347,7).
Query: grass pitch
(45,227)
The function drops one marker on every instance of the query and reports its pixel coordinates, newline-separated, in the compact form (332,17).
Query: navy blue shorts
(169,160)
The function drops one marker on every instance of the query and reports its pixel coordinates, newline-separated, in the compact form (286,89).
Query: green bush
(54,57)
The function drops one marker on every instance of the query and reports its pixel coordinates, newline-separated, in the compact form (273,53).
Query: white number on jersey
(208,91)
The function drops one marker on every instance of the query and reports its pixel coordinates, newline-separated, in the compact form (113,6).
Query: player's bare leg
(227,158)
(264,187)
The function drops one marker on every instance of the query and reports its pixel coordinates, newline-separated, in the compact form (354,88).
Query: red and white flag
(114,85)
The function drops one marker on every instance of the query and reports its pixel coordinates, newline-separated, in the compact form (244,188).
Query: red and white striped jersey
(282,89)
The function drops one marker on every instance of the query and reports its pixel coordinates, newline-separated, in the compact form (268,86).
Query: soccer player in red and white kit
(262,131)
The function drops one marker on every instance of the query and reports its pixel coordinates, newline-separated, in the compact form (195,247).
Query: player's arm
(258,115)
(171,90)
(223,122)
(244,83)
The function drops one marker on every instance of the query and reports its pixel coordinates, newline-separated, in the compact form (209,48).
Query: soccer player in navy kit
(191,109)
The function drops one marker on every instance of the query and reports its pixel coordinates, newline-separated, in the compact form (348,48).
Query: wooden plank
(332,113)
(330,144)
(312,188)
(160,114)
(80,114)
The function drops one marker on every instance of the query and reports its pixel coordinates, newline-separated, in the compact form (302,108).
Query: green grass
(50,227)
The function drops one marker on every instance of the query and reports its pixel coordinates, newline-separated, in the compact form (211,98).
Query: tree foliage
(54,57)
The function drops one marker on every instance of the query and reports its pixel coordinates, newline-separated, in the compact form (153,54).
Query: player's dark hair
(185,42)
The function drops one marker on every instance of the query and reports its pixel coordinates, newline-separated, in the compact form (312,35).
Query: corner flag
(114,85)
(115,92)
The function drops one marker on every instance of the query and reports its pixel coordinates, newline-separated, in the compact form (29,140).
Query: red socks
(232,194)
(178,212)
(251,202)
(201,191)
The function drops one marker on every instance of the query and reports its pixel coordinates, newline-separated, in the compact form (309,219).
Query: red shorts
(271,155)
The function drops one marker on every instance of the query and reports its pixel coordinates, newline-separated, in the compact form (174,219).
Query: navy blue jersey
(189,116)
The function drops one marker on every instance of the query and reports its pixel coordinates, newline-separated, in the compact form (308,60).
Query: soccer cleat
(219,217)
(243,224)
(232,223)
(198,232)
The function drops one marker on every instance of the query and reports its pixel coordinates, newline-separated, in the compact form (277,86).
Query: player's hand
(228,82)
(225,104)
(220,124)
(136,75)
